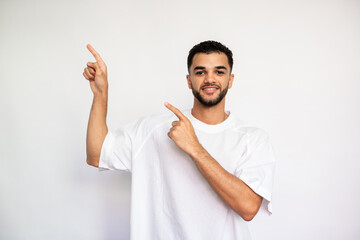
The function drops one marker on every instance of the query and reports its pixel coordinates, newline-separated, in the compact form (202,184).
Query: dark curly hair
(210,47)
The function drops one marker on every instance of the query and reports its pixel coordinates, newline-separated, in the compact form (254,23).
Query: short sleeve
(257,168)
(116,151)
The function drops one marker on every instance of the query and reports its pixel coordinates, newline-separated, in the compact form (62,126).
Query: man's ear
(231,80)
(188,80)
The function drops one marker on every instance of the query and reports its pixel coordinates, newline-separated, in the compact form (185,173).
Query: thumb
(93,65)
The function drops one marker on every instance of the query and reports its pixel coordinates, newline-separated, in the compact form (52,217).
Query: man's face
(210,77)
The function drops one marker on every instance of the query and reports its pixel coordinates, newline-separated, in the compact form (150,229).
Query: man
(196,174)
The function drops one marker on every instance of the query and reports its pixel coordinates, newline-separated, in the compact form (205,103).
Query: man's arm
(96,73)
(239,196)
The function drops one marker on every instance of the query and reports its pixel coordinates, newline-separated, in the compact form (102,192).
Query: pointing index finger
(94,53)
(176,111)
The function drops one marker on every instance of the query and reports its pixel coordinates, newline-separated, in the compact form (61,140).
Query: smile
(210,89)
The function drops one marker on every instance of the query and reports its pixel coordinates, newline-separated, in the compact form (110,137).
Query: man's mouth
(210,89)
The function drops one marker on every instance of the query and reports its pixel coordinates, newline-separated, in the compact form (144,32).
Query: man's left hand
(182,132)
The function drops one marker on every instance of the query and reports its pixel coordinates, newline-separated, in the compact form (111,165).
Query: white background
(297,75)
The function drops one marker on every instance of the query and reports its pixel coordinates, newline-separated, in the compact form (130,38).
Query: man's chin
(211,98)
(209,102)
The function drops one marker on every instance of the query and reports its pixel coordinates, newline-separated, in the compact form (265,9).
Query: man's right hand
(96,73)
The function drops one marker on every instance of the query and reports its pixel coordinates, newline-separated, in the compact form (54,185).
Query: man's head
(210,65)
(210,47)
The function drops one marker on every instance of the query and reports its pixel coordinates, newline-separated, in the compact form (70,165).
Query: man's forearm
(240,197)
(97,129)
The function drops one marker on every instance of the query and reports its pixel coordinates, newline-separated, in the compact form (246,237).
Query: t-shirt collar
(199,125)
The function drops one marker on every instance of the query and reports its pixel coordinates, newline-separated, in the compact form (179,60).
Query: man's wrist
(101,97)
(198,152)
(99,104)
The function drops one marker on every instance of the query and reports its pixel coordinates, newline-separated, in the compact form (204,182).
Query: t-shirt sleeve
(257,168)
(117,149)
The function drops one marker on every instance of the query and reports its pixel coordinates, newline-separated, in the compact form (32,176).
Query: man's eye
(220,72)
(199,73)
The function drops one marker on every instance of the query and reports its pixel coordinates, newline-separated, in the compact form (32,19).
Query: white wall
(297,76)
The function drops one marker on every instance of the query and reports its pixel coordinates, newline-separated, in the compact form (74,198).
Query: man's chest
(228,149)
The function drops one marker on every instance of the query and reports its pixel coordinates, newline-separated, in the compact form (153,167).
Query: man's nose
(209,78)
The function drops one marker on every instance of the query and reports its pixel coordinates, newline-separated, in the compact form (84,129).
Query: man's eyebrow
(221,67)
(199,68)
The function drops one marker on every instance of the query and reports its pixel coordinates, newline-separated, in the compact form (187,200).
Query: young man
(196,174)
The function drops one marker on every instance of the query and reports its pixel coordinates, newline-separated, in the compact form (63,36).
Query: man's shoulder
(250,130)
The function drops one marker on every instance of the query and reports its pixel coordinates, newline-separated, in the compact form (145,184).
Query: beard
(211,102)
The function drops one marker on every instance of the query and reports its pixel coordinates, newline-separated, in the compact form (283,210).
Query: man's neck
(209,115)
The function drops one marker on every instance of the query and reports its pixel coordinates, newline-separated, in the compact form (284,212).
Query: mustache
(210,85)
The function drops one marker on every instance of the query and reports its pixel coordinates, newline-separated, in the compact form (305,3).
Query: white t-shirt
(170,198)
